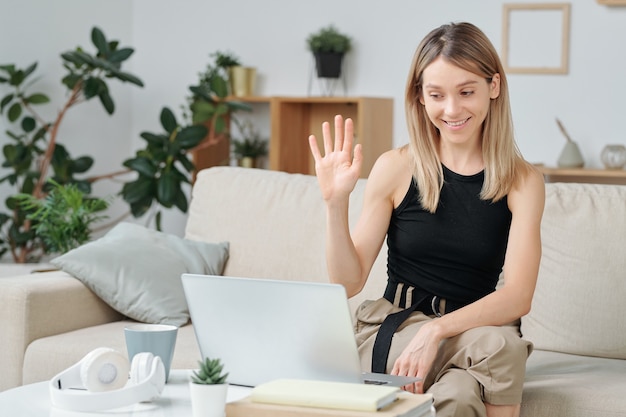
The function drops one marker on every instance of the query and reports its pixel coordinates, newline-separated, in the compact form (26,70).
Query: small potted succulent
(329,46)
(208,389)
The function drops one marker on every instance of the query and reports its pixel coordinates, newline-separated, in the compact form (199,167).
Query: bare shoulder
(391,174)
(528,191)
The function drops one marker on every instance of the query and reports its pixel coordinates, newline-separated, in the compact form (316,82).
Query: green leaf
(168,120)
(82,164)
(17,78)
(28,124)
(219,125)
(93,86)
(142,165)
(99,40)
(186,163)
(15,111)
(220,86)
(181,201)
(6,100)
(107,102)
(10,69)
(153,139)
(74,58)
(141,188)
(120,55)
(30,69)
(167,186)
(71,80)
(37,99)
(124,76)
(191,136)
(141,207)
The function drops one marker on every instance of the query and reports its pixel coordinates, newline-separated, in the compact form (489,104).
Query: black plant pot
(328,64)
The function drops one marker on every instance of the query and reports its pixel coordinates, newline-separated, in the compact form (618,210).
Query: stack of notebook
(305,398)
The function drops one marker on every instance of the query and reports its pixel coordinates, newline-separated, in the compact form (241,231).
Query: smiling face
(457,101)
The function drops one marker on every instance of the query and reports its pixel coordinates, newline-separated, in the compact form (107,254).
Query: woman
(458,205)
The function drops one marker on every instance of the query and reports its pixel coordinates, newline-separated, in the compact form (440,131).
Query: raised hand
(337,170)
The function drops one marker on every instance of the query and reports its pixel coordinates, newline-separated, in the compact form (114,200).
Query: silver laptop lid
(269,329)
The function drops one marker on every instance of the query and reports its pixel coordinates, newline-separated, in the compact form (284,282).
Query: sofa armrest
(39,305)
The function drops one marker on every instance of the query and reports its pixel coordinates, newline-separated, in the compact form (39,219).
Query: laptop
(265,329)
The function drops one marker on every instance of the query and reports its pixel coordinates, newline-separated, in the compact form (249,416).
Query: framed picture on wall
(535,38)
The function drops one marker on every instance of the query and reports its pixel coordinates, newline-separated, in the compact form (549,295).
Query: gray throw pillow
(137,270)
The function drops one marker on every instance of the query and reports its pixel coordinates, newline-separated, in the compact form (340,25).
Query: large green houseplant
(34,155)
(36,160)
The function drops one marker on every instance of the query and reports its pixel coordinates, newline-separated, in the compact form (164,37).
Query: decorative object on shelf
(570,155)
(210,105)
(614,156)
(208,389)
(329,47)
(241,79)
(250,147)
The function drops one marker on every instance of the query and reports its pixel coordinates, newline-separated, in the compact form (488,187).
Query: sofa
(274,223)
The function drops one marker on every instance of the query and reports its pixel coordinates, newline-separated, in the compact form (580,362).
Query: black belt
(421,301)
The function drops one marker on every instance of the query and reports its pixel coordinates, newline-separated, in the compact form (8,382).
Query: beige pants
(484,364)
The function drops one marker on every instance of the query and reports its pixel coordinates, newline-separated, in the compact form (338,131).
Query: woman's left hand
(418,357)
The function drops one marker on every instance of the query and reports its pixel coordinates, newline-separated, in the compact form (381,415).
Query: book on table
(304,398)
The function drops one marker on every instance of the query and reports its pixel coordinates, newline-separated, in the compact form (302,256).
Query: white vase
(570,156)
(614,156)
(208,400)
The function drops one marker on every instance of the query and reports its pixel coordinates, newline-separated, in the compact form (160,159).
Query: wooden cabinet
(596,176)
(293,119)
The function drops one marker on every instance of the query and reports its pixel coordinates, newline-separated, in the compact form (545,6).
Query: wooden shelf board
(584,172)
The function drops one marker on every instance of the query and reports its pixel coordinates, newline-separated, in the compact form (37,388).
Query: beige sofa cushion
(281,225)
(582,274)
(559,384)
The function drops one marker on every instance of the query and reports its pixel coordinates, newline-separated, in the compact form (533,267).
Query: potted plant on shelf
(250,147)
(208,389)
(241,79)
(210,105)
(329,46)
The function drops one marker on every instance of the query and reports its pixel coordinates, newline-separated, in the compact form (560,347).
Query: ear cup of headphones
(141,367)
(104,369)
(144,365)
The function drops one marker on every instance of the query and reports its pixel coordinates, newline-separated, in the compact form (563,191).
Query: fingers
(314,148)
(338,133)
(328,139)
(342,141)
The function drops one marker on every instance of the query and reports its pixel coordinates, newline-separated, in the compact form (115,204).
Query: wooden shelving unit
(595,176)
(293,119)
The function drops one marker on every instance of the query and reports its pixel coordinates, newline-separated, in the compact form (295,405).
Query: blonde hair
(467,47)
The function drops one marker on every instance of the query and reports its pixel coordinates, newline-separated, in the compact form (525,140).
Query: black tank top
(456,253)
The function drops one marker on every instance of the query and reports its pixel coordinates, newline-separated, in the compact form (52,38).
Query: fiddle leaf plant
(33,155)
(162,167)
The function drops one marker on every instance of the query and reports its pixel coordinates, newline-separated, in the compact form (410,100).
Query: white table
(34,401)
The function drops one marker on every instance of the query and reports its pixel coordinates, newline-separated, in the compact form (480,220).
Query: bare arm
(350,256)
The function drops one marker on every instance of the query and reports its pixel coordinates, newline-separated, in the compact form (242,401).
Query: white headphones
(100,381)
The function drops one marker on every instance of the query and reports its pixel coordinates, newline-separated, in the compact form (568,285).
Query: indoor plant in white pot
(208,389)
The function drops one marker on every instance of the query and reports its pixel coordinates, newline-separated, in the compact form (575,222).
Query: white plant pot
(208,400)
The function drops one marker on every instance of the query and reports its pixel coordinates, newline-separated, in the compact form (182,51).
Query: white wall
(173,40)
